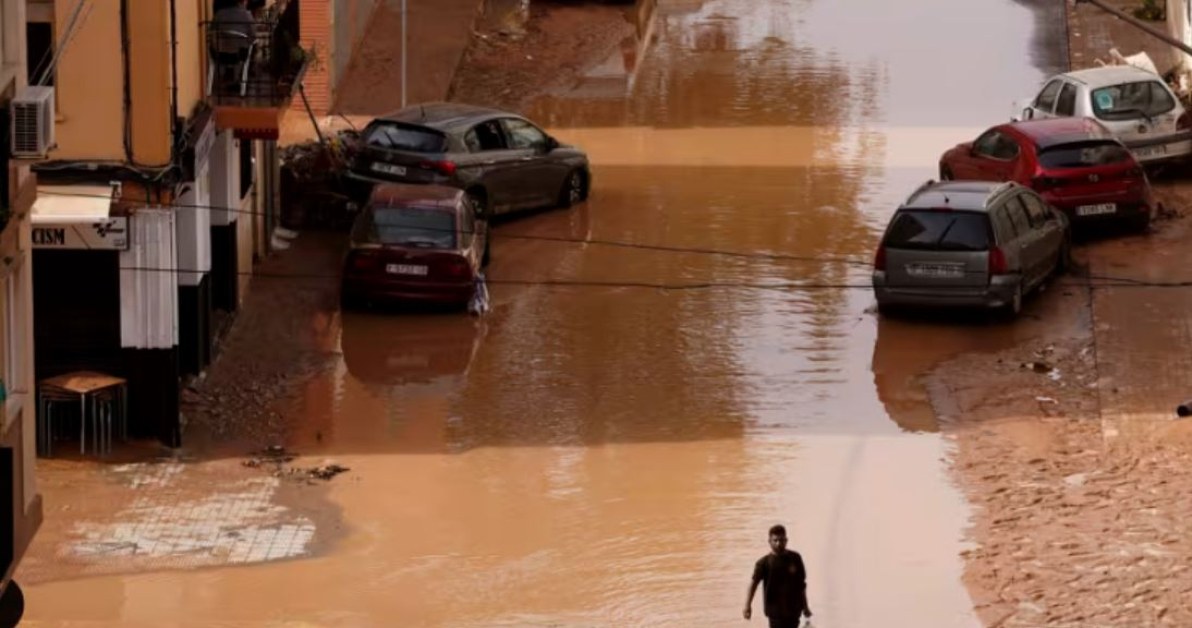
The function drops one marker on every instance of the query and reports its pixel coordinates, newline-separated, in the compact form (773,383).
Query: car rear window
(1084,154)
(939,230)
(1128,101)
(409,226)
(395,136)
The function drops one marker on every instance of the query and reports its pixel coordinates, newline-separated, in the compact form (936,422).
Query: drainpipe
(1137,23)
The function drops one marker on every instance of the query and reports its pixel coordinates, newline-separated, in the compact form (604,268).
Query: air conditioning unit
(33,122)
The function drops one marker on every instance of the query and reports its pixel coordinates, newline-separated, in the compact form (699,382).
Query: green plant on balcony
(1151,10)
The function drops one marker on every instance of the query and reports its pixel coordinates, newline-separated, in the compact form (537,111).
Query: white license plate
(389,169)
(936,271)
(1096,210)
(405,269)
(1150,151)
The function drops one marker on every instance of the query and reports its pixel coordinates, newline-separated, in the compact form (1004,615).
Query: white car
(1137,106)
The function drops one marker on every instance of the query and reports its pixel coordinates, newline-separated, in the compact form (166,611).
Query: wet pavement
(608,446)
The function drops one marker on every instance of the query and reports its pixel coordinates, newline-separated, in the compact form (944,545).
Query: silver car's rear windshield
(1128,101)
(407,226)
(939,230)
(396,136)
(1084,154)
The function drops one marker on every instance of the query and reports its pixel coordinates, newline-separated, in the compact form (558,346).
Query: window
(523,135)
(410,226)
(1046,100)
(404,137)
(246,167)
(1066,105)
(39,49)
(1017,214)
(1002,225)
(1035,210)
(15,338)
(939,230)
(1084,154)
(484,137)
(1128,101)
(995,145)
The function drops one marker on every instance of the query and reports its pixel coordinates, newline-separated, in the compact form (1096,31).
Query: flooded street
(608,446)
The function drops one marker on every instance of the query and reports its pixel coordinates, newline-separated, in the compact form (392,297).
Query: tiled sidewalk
(1093,31)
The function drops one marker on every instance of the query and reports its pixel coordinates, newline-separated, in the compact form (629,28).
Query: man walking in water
(785,579)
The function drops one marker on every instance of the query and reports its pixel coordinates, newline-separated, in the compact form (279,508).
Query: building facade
(158,191)
(19,499)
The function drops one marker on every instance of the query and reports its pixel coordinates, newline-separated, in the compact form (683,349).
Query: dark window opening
(408,226)
(1084,154)
(1128,101)
(393,136)
(943,230)
(246,167)
(5,197)
(8,509)
(485,136)
(39,49)
(1066,106)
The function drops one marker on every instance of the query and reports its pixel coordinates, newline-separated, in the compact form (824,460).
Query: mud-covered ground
(507,67)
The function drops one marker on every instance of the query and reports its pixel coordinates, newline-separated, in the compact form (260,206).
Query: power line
(560,239)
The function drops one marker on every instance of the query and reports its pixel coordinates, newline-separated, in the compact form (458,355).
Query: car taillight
(444,167)
(457,268)
(879,259)
(997,261)
(362,260)
(1185,122)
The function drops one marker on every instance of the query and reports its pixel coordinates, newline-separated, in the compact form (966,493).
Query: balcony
(253,70)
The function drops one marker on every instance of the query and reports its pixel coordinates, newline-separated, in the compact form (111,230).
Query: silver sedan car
(969,243)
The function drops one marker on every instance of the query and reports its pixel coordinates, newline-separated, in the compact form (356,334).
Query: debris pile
(278,459)
(313,194)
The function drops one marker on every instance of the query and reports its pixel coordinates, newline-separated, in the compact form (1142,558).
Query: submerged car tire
(575,189)
(1011,310)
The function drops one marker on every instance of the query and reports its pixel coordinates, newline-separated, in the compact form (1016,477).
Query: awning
(59,204)
(77,217)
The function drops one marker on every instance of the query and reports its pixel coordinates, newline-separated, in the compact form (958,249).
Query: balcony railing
(254,64)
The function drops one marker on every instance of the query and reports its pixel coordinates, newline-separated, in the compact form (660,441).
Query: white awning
(59,204)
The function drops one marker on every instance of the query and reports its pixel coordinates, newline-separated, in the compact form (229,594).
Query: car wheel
(1142,224)
(350,302)
(1064,262)
(12,605)
(945,173)
(1011,310)
(575,189)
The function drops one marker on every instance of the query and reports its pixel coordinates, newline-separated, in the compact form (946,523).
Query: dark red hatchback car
(1074,163)
(422,243)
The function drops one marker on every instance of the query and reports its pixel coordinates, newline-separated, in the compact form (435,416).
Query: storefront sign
(107,234)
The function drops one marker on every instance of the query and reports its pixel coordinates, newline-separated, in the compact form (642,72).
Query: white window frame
(12,317)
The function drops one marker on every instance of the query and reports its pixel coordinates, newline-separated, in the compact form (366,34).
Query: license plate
(1096,210)
(405,269)
(1150,151)
(389,169)
(937,271)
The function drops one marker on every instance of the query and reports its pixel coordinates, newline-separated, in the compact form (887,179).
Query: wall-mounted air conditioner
(33,122)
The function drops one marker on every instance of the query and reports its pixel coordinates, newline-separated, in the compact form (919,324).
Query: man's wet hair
(778,530)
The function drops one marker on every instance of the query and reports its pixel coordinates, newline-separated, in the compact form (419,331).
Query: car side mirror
(551,143)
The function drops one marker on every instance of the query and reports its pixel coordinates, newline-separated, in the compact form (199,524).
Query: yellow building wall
(89,85)
(190,55)
(149,52)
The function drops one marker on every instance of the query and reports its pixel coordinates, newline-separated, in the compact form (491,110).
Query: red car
(421,243)
(1073,163)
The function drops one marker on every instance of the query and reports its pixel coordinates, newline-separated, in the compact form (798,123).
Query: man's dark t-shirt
(785,581)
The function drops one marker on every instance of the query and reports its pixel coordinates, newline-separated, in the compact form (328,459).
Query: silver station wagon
(969,244)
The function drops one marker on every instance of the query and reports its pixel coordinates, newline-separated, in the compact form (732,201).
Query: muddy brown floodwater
(611,455)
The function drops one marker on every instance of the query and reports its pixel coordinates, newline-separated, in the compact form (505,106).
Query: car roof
(959,195)
(1106,75)
(443,115)
(409,194)
(1048,132)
